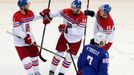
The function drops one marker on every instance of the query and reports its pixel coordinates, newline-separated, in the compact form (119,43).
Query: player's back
(91,59)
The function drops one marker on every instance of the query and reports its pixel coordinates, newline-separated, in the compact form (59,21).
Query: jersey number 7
(90,59)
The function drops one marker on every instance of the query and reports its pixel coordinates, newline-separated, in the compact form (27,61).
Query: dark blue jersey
(93,61)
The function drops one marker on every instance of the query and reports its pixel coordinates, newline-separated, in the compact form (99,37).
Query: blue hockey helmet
(76,4)
(22,3)
(106,8)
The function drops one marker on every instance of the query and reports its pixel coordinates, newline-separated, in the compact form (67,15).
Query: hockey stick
(83,43)
(37,45)
(43,34)
(86,25)
(73,63)
(87,4)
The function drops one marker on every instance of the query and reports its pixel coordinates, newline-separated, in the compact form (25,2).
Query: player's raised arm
(28,53)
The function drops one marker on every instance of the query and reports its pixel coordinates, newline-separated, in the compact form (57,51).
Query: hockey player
(22,22)
(104,23)
(72,30)
(94,59)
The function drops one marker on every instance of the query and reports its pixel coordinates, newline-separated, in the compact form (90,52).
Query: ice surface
(121,53)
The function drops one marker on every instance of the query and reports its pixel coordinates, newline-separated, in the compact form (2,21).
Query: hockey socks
(27,65)
(65,66)
(55,62)
(35,65)
(31,65)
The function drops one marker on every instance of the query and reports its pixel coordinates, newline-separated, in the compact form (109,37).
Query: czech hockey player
(22,22)
(104,23)
(72,30)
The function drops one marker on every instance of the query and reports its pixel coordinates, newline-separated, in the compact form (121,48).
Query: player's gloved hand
(46,16)
(79,72)
(62,27)
(68,26)
(89,13)
(28,39)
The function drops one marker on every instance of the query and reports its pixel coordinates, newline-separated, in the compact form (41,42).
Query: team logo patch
(106,60)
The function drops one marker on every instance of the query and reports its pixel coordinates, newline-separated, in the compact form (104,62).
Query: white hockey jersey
(22,25)
(78,23)
(105,26)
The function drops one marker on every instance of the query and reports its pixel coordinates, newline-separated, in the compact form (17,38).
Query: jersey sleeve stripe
(83,25)
(27,19)
(68,18)
(16,24)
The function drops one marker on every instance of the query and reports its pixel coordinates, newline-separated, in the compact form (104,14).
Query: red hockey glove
(79,72)
(62,27)
(28,39)
(46,17)
(44,12)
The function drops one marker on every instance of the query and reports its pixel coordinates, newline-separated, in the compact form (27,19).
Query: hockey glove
(28,39)
(89,13)
(62,27)
(46,16)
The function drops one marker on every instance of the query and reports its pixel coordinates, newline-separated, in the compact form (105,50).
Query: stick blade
(44,60)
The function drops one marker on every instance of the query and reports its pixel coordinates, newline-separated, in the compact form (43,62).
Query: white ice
(121,53)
